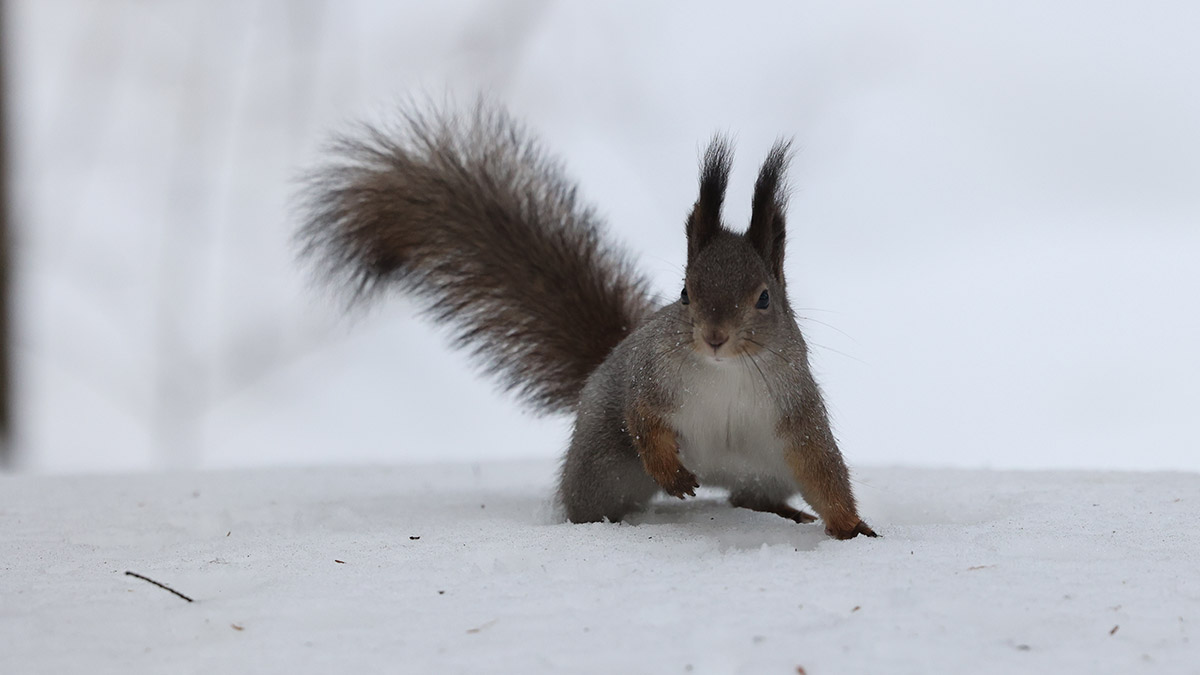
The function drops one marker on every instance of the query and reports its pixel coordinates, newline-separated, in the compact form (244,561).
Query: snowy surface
(460,568)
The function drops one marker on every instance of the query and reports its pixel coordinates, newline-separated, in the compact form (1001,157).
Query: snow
(464,568)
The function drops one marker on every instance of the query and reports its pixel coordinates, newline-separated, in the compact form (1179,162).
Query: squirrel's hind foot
(779,508)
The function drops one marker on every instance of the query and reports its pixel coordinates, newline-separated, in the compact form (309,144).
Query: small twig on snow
(162,586)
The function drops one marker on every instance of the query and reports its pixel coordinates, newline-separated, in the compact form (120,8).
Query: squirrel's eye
(763,301)
(683,297)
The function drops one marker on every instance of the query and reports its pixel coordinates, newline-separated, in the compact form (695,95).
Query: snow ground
(977,572)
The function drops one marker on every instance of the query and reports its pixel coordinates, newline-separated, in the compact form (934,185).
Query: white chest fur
(727,425)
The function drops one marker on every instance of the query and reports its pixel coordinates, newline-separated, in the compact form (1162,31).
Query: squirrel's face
(734,292)
(731,300)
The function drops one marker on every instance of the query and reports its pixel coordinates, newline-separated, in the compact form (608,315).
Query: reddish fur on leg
(824,480)
(658,448)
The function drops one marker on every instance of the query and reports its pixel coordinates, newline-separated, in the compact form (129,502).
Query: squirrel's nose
(715,340)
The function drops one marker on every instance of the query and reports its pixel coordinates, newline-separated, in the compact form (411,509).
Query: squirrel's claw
(682,484)
(859,528)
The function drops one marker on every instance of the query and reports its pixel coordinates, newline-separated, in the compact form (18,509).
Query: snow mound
(464,568)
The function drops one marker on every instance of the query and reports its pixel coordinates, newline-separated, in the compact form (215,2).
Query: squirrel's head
(734,292)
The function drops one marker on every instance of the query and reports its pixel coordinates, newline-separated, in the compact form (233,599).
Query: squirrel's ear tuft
(705,219)
(767,233)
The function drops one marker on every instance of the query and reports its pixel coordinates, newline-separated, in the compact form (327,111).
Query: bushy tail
(466,212)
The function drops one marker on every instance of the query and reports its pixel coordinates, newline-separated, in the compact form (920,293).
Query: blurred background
(995,223)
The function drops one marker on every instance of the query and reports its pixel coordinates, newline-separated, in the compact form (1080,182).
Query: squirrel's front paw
(850,532)
(682,483)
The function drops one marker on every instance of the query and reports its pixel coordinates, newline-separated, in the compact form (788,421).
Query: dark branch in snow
(162,586)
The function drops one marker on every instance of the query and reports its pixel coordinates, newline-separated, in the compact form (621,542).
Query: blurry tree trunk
(5,356)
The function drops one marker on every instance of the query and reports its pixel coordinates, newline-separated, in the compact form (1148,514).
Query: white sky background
(996,212)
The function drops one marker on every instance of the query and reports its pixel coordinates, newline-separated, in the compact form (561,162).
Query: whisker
(756,342)
(829,326)
(837,351)
(743,364)
(766,383)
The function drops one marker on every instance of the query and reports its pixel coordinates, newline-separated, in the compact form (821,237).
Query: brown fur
(470,216)
(658,447)
(821,474)
(817,464)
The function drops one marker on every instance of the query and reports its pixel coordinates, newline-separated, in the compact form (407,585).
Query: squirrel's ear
(767,232)
(705,219)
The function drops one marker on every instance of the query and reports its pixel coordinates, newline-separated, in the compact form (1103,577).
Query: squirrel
(467,213)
